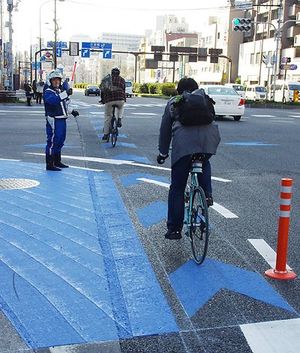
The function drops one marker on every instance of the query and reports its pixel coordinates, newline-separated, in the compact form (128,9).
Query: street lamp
(55,35)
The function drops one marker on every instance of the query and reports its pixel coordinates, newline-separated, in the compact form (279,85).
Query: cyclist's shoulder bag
(194,109)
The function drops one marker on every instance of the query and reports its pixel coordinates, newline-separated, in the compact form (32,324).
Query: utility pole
(10,66)
(277,49)
(55,37)
(1,44)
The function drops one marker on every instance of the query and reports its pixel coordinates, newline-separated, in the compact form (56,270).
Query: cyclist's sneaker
(105,138)
(173,234)
(119,123)
(209,201)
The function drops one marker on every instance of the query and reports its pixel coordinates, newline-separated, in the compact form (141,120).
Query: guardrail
(8,97)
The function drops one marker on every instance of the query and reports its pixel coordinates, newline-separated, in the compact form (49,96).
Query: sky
(92,17)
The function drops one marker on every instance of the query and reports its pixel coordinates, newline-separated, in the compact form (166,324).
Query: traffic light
(242,24)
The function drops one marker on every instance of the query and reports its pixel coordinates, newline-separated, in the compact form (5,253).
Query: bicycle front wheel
(199,225)
(114,132)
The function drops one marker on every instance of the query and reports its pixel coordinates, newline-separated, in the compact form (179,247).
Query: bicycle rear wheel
(114,132)
(199,225)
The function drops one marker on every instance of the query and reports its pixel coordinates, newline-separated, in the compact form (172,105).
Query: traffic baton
(280,271)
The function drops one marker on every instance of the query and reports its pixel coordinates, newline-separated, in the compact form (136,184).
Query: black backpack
(195,108)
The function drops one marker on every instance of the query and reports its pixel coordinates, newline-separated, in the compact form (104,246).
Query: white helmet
(55,74)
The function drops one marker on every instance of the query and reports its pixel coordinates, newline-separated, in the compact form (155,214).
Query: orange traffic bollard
(280,271)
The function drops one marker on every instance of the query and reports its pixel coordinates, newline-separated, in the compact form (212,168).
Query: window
(252,59)
(257,59)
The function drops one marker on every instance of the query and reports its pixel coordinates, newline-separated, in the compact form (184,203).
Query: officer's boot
(57,161)
(50,164)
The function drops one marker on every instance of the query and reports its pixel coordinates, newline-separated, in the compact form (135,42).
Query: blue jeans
(56,134)
(179,175)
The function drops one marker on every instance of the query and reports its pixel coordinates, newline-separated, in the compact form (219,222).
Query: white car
(238,88)
(128,89)
(228,101)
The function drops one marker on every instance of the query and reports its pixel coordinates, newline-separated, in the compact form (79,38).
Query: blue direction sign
(293,67)
(85,53)
(106,46)
(58,52)
(96,45)
(58,44)
(107,53)
(36,66)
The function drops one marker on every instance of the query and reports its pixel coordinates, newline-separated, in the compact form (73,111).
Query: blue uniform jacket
(55,107)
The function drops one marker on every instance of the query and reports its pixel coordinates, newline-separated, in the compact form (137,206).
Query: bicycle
(113,130)
(196,220)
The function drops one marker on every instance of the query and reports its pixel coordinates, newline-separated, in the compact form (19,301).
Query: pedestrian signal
(242,24)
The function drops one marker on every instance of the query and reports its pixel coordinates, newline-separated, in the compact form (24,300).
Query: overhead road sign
(157,56)
(151,64)
(107,53)
(96,45)
(159,48)
(183,49)
(58,52)
(63,45)
(85,53)
(202,54)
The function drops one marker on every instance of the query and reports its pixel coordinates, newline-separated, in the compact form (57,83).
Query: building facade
(263,54)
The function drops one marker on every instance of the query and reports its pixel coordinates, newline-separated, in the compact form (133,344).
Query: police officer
(56,112)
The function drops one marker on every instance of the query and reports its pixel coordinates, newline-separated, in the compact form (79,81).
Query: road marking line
(151,181)
(84,168)
(273,336)
(263,116)
(265,251)
(217,207)
(150,114)
(223,211)
(121,162)
(294,116)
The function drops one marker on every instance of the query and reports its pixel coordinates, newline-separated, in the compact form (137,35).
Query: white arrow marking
(217,207)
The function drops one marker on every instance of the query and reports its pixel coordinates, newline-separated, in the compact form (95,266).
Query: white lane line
(223,211)
(10,160)
(84,168)
(273,336)
(151,181)
(263,116)
(217,207)
(265,251)
(121,162)
(22,111)
(150,114)
(96,113)
(283,121)
(294,116)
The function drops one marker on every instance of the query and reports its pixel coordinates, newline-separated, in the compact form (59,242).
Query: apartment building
(261,53)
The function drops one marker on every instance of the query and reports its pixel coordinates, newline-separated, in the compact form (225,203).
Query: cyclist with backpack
(112,93)
(187,122)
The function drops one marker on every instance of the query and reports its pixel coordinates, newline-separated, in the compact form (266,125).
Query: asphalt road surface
(156,299)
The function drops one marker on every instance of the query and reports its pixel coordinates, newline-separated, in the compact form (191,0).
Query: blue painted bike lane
(72,267)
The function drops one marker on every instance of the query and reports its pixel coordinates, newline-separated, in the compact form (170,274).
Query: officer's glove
(161,158)
(75,113)
(70,91)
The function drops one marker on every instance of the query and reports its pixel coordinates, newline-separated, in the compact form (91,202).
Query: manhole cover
(8,184)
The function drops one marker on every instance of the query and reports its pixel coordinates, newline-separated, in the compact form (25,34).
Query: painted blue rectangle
(75,256)
(153,213)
